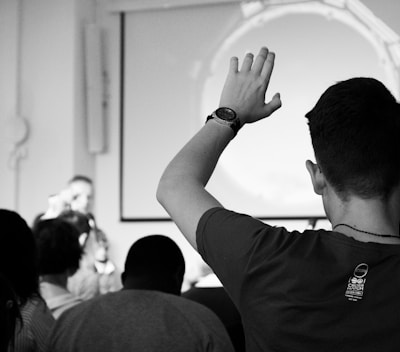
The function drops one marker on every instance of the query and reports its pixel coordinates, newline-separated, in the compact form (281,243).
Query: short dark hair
(58,246)
(154,255)
(18,255)
(355,129)
(83,178)
(78,219)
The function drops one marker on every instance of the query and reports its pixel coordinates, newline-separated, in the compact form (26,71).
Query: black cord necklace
(367,232)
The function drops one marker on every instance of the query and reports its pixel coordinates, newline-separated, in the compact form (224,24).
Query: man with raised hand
(313,290)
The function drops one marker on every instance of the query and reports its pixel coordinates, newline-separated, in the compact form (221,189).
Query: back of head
(157,259)
(80,220)
(58,245)
(355,128)
(18,260)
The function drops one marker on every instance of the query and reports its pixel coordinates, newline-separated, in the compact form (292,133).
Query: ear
(317,177)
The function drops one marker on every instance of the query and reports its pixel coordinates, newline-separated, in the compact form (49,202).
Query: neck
(56,279)
(58,285)
(366,236)
(365,219)
(158,284)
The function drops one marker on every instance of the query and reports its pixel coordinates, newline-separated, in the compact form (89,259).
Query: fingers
(234,65)
(268,66)
(247,62)
(263,64)
(260,60)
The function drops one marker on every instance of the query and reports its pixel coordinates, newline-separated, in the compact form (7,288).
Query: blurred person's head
(59,251)
(94,245)
(154,263)
(82,193)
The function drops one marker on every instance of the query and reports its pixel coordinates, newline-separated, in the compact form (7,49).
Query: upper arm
(185,201)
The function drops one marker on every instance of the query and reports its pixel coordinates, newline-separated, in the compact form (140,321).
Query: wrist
(227,117)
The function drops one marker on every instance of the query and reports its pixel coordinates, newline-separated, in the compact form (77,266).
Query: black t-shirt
(220,303)
(310,291)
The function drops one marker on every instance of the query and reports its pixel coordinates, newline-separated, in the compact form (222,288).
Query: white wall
(122,235)
(47,70)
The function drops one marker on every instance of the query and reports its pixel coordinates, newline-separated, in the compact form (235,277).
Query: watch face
(225,114)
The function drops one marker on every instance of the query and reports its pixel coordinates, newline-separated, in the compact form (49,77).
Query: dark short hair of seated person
(154,262)
(80,221)
(58,247)
(354,131)
(18,256)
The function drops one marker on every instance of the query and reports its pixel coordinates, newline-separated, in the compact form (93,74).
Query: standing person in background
(18,263)
(317,290)
(82,193)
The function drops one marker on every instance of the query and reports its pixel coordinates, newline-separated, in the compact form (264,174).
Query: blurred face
(82,196)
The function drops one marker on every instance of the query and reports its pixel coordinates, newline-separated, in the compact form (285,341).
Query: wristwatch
(226,116)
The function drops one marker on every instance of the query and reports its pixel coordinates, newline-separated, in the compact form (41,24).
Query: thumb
(273,105)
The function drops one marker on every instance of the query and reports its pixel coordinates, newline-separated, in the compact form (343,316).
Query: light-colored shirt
(58,298)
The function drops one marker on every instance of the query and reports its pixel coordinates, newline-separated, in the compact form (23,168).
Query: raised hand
(244,91)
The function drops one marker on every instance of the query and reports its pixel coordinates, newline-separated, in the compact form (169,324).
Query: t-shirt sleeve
(234,244)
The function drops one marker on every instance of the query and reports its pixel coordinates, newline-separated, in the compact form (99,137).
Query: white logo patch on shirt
(356,283)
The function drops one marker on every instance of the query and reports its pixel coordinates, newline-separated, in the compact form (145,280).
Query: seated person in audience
(88,281)
(18,258)
(59,253)
(147,314)
(209,291)
(314,290)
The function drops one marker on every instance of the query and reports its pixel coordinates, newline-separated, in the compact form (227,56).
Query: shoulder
(37,324)
(36,310)
(194,311)
(221,219)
